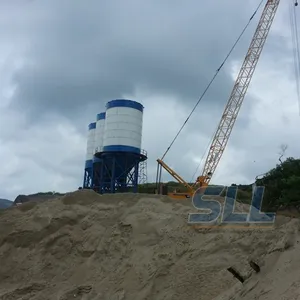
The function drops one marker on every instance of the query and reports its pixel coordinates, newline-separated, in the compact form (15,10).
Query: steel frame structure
(234,103)
(117,171)
(143,178)
(238,93)
(87,178)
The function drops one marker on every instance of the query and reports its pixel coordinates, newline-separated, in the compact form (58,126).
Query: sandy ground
(136,247)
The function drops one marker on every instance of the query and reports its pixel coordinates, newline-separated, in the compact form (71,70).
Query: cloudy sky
(61,61)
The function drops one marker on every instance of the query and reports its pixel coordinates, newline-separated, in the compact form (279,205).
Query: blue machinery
(116,162)
(117,171)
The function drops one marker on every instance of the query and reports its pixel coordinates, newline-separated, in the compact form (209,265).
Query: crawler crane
(233,105)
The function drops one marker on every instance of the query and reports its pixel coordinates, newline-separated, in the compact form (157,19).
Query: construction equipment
(233,105)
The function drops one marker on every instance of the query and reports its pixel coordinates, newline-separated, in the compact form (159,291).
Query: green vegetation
(244,191)
(282,186)
(48,194)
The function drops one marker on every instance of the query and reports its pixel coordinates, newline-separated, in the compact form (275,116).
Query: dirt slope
(119,247)
(279,275)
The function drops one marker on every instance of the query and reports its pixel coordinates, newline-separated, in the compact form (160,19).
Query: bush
(282,185)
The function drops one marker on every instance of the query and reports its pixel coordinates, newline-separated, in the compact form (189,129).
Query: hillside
(244,191)
(4,203)
(277,279)
(39,197)
(131,246)
(281,187)
(139,246)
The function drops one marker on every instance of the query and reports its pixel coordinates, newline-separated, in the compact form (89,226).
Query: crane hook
(296,2)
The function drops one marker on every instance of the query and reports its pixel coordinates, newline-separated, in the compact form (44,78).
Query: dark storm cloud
(65,59)
(85,53)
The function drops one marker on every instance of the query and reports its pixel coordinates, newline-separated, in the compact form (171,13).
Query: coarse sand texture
(139,247)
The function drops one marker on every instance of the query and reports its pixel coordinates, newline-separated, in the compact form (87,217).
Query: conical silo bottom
(117,171)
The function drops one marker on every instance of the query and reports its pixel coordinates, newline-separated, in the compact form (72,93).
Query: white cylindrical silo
(90,145)
(99,132)
(123,126)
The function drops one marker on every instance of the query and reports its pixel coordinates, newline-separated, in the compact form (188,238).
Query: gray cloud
(80,54)
(64,60)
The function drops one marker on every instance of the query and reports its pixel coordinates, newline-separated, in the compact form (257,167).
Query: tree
(283,148)
(282,184)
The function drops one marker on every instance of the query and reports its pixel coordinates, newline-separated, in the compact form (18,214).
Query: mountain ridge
(5,203)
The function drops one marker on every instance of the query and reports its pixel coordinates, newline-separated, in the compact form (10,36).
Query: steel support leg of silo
(92,179)
(86,180)
(96,179)
(100,179)
(136,177)
(113,176)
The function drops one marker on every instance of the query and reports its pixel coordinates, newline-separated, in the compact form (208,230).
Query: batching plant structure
(100,123)
(88,170)
(118,158)
(99,132)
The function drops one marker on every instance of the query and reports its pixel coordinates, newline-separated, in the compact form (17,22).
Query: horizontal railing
(143,152)
(98,149)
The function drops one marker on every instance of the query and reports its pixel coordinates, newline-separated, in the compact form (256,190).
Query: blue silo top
(92,125)
(101,116)
(125,103)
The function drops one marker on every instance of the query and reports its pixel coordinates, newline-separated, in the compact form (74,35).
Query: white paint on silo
(99,132)
(90,145)
(123,126)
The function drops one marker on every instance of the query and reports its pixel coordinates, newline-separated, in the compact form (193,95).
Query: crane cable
(212,80)
(295,45)
(202,158)
(296,53)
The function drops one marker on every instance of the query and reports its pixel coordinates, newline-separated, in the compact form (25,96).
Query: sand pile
(119,247)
